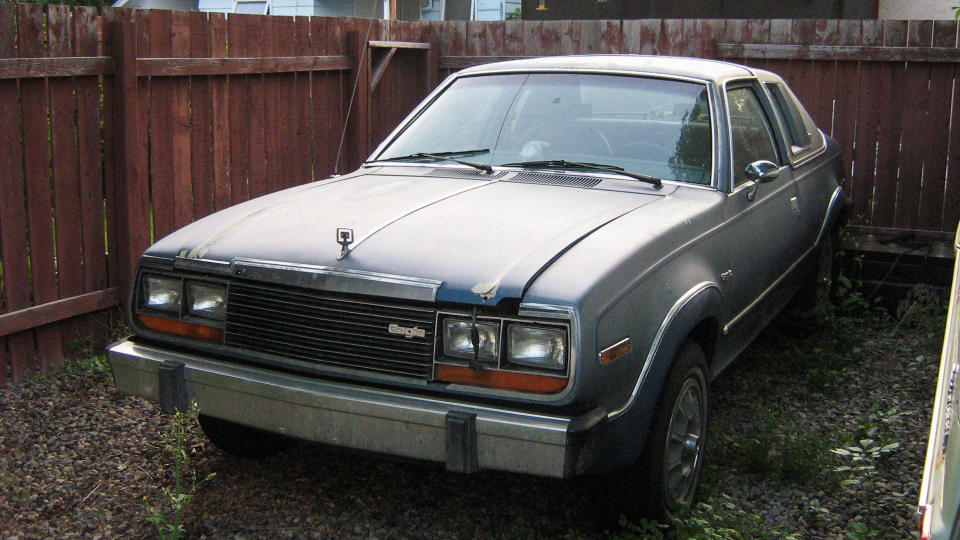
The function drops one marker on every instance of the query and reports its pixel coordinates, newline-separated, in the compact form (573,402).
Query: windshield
(651,126)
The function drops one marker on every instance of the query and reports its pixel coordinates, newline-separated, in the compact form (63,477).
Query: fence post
(358,94)
(131,193)
(432,66)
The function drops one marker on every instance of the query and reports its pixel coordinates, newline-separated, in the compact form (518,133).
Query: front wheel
(664,480)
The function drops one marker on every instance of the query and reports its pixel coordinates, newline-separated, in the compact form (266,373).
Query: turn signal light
(180,328)
(507,380)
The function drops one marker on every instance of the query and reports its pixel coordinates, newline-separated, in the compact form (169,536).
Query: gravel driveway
(78,459)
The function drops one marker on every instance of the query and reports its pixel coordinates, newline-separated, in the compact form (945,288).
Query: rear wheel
(243,441)
(664,480)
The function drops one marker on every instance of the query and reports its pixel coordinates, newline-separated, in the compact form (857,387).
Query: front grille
(318,328)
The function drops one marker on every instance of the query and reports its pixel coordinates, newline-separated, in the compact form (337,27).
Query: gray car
(540,270)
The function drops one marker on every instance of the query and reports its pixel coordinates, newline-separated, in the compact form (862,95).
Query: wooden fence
(118,126)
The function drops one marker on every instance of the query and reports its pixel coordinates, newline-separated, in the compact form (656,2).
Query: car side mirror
(760,172)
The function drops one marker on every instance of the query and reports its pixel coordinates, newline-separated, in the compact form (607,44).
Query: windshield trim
(442,87)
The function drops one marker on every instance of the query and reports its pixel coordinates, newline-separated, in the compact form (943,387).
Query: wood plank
(105,28)
(132,183)
(532,30)
(493,36)
(951,197)
(74,66)
(66,182)
(202,111)
(20,349)
(610,37)
(303,109)
(220,88)
(386,44)
(937,134)
(513,38)
(862,181)
(90,150)
(34,101)
(551,37)
(161,125)
(914,143)
(892,81)
(59,310)
(238,136)
(183,125)
(254,26)
(671,37)
(841,53)
(355,148)
(180,67)
(326,128)
(291,137)
(847,98)
(273,106)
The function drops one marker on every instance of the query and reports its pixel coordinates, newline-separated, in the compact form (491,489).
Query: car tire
(664,480)
(242,441)
(817,289)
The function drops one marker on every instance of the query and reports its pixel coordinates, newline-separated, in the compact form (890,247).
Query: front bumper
(464,436)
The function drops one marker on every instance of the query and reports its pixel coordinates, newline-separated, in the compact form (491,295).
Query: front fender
(624,432)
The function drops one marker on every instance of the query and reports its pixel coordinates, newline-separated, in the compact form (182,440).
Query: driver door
(762,218)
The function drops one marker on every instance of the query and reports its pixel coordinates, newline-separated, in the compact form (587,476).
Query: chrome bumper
(463,436)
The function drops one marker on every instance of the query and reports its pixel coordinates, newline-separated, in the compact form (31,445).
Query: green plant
(169,521)
(861,531)
(863,460)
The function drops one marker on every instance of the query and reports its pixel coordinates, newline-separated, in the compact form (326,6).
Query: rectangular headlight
(207,300)
(457,340)
(161,293)
(537,346)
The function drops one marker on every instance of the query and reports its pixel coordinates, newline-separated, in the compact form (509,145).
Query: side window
(787,107)
(752,136)
(802,133)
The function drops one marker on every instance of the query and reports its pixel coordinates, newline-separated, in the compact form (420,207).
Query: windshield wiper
(564,164)
(446,156)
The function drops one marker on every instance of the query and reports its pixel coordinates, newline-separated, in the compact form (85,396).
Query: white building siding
(914,9)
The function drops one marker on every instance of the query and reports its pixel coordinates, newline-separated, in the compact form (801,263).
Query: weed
(169,522)
(776,448)
(719,521)
(861,531)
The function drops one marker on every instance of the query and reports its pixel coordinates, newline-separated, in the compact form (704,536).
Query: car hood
(483,240)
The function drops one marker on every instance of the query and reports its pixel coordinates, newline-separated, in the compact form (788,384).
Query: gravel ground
(78,459)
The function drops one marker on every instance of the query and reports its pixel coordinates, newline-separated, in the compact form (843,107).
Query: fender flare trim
(681,302)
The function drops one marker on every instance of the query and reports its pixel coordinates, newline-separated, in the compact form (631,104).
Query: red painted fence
(118,126)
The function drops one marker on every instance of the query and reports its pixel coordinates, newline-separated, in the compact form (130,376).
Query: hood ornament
(344,238)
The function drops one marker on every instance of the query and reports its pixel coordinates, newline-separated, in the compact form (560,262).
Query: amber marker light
(180,328)
(617,350)
(507,380)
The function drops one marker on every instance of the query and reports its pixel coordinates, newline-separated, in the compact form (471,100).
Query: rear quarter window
(802,136)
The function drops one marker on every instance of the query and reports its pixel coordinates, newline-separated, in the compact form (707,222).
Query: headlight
(162,293)
(207,300)
(458,343)
(536,346)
